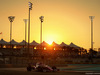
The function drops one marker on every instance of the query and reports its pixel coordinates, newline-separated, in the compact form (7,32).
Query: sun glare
(49,42)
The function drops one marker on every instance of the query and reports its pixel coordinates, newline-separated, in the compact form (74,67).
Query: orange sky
(64,20)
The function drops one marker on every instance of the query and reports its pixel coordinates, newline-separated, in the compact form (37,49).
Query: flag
(1,33)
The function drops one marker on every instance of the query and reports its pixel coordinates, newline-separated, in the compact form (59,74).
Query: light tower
(25,20)
(41,19)
(92,17)
(30,8)
(11,19)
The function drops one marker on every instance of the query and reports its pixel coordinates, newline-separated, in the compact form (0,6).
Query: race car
(40,67)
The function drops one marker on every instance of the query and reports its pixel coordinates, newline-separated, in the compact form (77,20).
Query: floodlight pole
(91,17)
(30,8)
(28,32)
(41,19)
(11,19)
(10,33)
(25,20)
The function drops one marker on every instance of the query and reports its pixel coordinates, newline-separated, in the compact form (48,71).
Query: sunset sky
(64,21)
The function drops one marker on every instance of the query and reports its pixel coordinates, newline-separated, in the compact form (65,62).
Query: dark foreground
(12,72)
(39,73)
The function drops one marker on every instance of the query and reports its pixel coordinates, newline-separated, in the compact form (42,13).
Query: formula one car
(40,67)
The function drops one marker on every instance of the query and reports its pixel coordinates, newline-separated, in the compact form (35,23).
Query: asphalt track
(71,69)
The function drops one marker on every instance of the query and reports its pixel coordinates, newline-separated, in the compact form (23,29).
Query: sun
(49,39)
(49,42)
